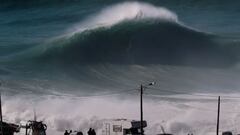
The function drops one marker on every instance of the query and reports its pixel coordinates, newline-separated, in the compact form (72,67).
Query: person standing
(79,133)
(93,132)
(90,131)
(66,132)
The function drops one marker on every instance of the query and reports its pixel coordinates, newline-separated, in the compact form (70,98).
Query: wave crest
(124,12)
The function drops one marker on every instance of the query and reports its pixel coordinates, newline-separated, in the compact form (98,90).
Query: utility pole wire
(193,94)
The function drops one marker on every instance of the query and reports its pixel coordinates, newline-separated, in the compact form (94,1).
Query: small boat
(35,128)
(9,128)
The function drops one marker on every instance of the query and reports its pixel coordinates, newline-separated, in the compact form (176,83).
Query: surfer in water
(139,14)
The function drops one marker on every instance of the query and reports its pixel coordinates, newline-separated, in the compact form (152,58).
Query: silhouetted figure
(90,131)
(93,132)
(139,14)
(79,133)
(66,132)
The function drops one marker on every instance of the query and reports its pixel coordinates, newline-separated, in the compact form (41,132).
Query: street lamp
(141,103)
(1,109)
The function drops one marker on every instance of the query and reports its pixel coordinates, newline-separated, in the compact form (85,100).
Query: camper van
(122,127)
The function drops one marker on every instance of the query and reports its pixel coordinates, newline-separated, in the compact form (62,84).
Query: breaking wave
(126,11)
(133,33)
(121,47)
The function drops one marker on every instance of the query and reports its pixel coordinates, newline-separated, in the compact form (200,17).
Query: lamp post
(1,110)
(141,109)
(218,114)
(141,104)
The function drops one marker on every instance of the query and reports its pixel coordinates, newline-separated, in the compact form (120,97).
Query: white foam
(112,15)
(177,117)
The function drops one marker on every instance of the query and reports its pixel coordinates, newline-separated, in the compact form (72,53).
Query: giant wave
(115,50)
(143,35)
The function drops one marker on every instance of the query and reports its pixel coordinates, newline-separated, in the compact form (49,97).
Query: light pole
(141,109)
(1,110)
(141,104)
(218,114)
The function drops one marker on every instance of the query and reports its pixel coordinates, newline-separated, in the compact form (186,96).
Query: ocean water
(78,62)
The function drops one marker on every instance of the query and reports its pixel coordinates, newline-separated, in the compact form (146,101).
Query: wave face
(87,58)
(140,42)
(142,35)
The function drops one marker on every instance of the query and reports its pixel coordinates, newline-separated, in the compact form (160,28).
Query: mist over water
(178,115)
(78,63)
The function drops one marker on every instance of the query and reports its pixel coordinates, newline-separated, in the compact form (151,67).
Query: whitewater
(80,63)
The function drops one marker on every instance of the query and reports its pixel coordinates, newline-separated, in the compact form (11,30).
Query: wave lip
(124,12)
